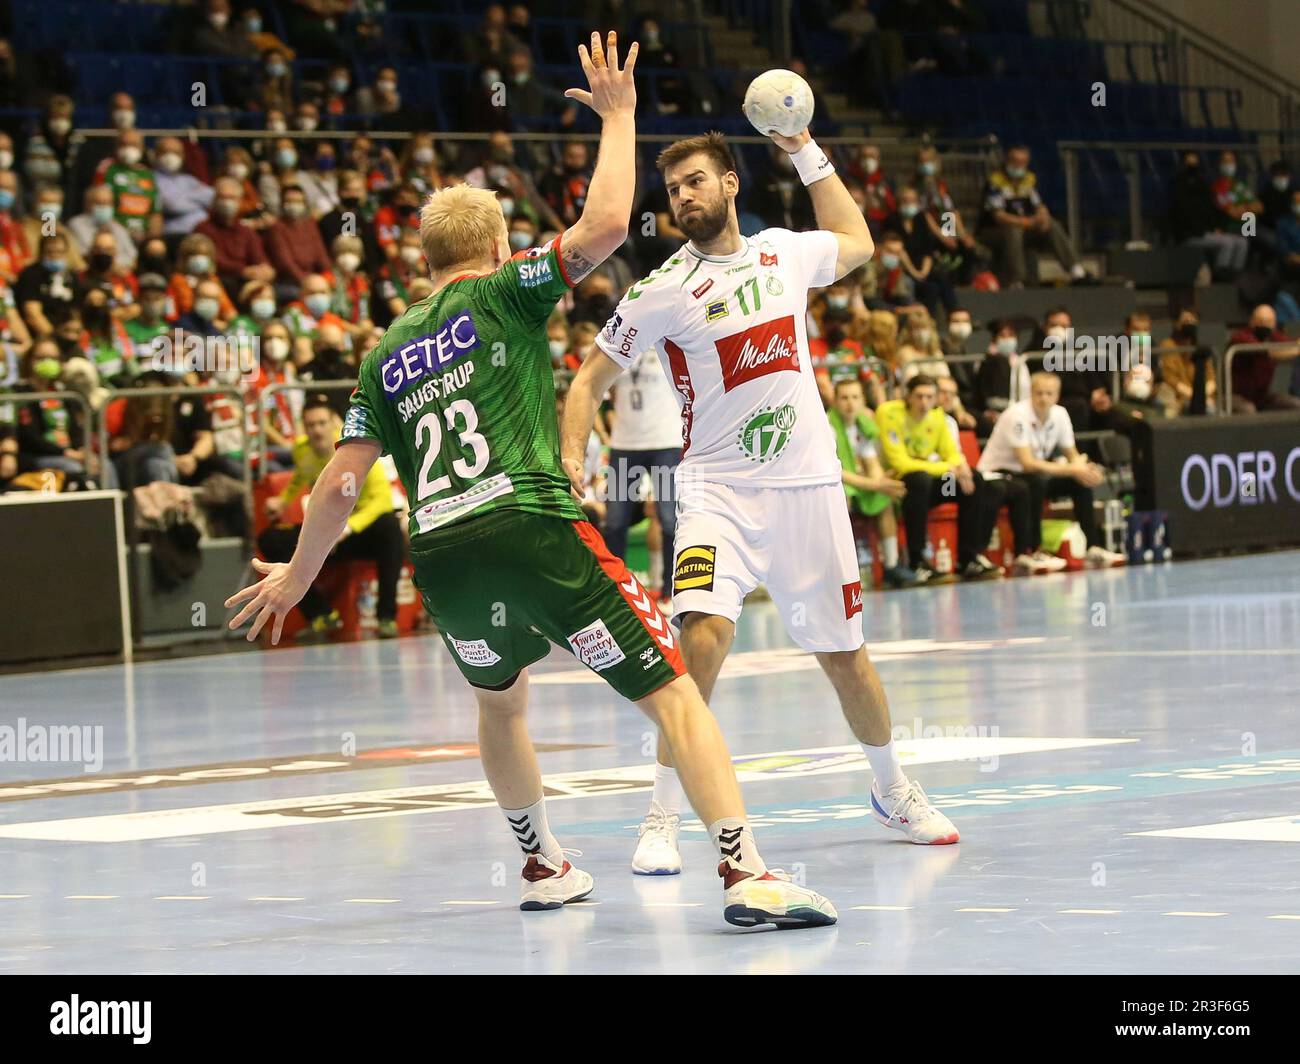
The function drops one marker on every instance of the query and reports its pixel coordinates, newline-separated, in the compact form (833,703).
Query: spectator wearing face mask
(50,152)
(257,306)
(195,263)
(1188,374)
(273,85)
(338,98)
(382,103)
(486,43)
(1002,377)
(136,203)
(956,341)
(395,217)
(1288,244)
(98,216)
(183,199)
(1253,371)
(1194,219)
(151,322)
(13,238)
(102,272)
(238,165)
(294,243)
(1085,393)
(49,434)
(1016,219)
(894,274)
(918,348)
(239,255)
(392,289)
(280,409)
(349,287)
(320,183)
(104,340)
(959,254)
(47,215)
(330,362)
(420,163)
(311,310)
(207,316)
(352,216)
(1141,394)
(284,171)
(1232,195)
(933,285)
(47,289)
(1275,195)
(866,172)
(6,151)
(498,169)
(564,186)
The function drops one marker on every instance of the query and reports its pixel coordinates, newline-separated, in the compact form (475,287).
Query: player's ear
(731,183)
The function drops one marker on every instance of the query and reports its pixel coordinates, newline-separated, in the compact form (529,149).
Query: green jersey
(460,393)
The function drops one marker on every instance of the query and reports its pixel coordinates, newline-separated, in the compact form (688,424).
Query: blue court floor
(1120,750)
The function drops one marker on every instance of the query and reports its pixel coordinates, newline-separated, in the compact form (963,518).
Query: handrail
(1225,385)
(291,386)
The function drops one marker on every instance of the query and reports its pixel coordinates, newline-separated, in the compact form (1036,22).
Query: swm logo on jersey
(534,269)
(766,433)
(694,569)
(758,351)
(456,338)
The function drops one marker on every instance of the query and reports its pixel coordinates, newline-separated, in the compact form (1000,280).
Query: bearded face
(700,203)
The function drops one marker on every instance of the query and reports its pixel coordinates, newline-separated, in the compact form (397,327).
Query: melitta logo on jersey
(852,598)
(767,348)
(428,353)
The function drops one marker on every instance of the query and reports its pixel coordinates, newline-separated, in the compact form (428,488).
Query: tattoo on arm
(577,264)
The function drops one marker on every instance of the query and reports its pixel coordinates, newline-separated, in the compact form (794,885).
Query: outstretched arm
(588,388)
(603,226)
(332,499)
(834,208)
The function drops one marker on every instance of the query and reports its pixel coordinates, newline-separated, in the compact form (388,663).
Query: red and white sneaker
(544,886)
(908,810)
(751,901)
(1101,558)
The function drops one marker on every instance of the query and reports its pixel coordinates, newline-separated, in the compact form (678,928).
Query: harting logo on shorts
(852,598)
(767,348)
(596,647)
(475,652)
(694,569)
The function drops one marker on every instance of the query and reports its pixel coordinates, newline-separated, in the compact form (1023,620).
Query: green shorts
(871,502)
(502,587)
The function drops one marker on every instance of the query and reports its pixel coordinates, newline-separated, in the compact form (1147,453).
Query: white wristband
(811,163)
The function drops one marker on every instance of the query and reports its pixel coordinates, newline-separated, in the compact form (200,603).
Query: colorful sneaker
(322,626)
(544,886)
(1039,562)
(656,852)
(388,629)
(751,901)
(908,810)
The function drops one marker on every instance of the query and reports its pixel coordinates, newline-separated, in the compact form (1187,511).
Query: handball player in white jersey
(759,494)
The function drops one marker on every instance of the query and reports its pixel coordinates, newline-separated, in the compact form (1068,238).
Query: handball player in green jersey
(460,393)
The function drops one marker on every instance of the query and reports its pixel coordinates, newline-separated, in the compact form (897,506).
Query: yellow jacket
(909,446)
(374,500)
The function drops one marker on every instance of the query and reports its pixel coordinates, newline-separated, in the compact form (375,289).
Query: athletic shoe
(924,574)
(656,852)
(1101,558)
(543,885)
(1039,562)
(908,810)
(980,568)
(751,901)
(322,626)
(901,576)
(388,629)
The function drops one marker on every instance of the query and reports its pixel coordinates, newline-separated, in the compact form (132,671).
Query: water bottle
(943,559)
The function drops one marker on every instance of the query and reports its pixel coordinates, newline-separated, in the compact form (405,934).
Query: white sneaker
(656,852)
(1039,562)
(910,811)
(750,901)
(1101,558)
(542,885)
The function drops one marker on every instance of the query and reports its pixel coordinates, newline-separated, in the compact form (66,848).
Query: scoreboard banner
(1225,482)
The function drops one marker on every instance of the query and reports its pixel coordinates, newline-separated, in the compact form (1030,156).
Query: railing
(1133,156)
(272,390)
(88,419)
(1225,385)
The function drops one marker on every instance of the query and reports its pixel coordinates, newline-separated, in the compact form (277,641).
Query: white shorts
(796,541)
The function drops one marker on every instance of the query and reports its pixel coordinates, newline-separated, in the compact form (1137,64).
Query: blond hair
(460,225)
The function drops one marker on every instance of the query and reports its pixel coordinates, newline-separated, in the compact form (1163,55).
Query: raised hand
(612,90)
(271,598)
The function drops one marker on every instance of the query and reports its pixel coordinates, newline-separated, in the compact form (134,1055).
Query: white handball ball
(779,101)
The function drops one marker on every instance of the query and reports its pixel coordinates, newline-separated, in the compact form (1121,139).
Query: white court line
(1178,912)
(371,901)
(984,909)
(90,897)
(276,899)
(183,897)
(1089,912)
(882,908)
(1286,916)
(457,901)
(13,897)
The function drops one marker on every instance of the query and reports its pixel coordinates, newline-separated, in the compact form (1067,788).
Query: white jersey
(1018,426)
(645,408)
(732,335)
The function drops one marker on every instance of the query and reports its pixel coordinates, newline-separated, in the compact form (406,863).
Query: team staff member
(1024,442)
(919,449)
(372,531)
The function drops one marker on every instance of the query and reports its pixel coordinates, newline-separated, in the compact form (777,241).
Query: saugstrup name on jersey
(758,351)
